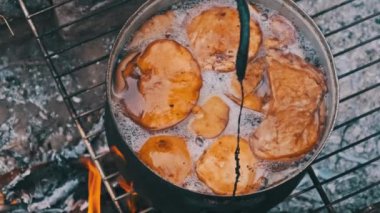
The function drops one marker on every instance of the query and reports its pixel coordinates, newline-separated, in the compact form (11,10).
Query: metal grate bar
(320,190)
(97,157)
(351,25)
(70,106)
(317,184)
(96,60)
(346,147)
(296,194)
(147,210)
(122,196)
(332,154)
(359,92)
(95,134)
(356,118)
(84,90)
(82,18)
(356,46)
(48,8)
(331,9)
(109,177)
(89,112)
(362,165)
(359,69)
(59,83)
(82,42)
(7,24)
(352,194)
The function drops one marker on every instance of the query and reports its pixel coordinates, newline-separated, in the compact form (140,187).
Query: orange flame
(128,187)
(94,186)
(1,199)
(95,183)
(117,152)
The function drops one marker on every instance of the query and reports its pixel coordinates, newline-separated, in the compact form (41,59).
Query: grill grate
(318,183)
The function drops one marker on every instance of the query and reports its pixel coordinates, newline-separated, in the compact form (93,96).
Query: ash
(40,147)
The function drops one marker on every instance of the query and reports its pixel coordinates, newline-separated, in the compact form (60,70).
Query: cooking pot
(167,197)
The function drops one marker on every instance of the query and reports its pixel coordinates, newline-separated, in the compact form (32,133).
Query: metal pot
(171,198)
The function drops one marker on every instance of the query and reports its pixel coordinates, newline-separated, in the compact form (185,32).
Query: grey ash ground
(35,126)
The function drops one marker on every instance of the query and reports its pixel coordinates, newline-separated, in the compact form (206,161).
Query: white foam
(214,84)
(193,183)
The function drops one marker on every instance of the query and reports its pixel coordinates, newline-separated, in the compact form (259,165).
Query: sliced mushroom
(168,156)
(124,69)
(283,33)
(285,135)
(214,39)
(251,101)
(294,83)
(170,83)
(216,167)
(253,77)
(211,118)
(157,27)
(292,125)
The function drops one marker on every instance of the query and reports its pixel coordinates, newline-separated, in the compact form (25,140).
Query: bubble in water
(264,17)
(199,141)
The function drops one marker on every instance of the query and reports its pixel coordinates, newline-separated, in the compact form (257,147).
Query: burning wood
(44,186)
(55,197)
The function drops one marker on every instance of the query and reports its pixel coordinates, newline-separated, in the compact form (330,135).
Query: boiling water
(215,84)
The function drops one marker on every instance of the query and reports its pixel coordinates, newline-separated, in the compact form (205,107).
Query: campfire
(128,187)
(95,186)
(43,159)
(52,134)
(95,189)
(76,186)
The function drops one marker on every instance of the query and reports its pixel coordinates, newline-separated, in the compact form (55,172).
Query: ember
(117,152)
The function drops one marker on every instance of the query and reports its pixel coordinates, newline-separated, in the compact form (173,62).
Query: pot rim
(121,40)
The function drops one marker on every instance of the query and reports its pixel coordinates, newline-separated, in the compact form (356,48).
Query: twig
(6,23)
